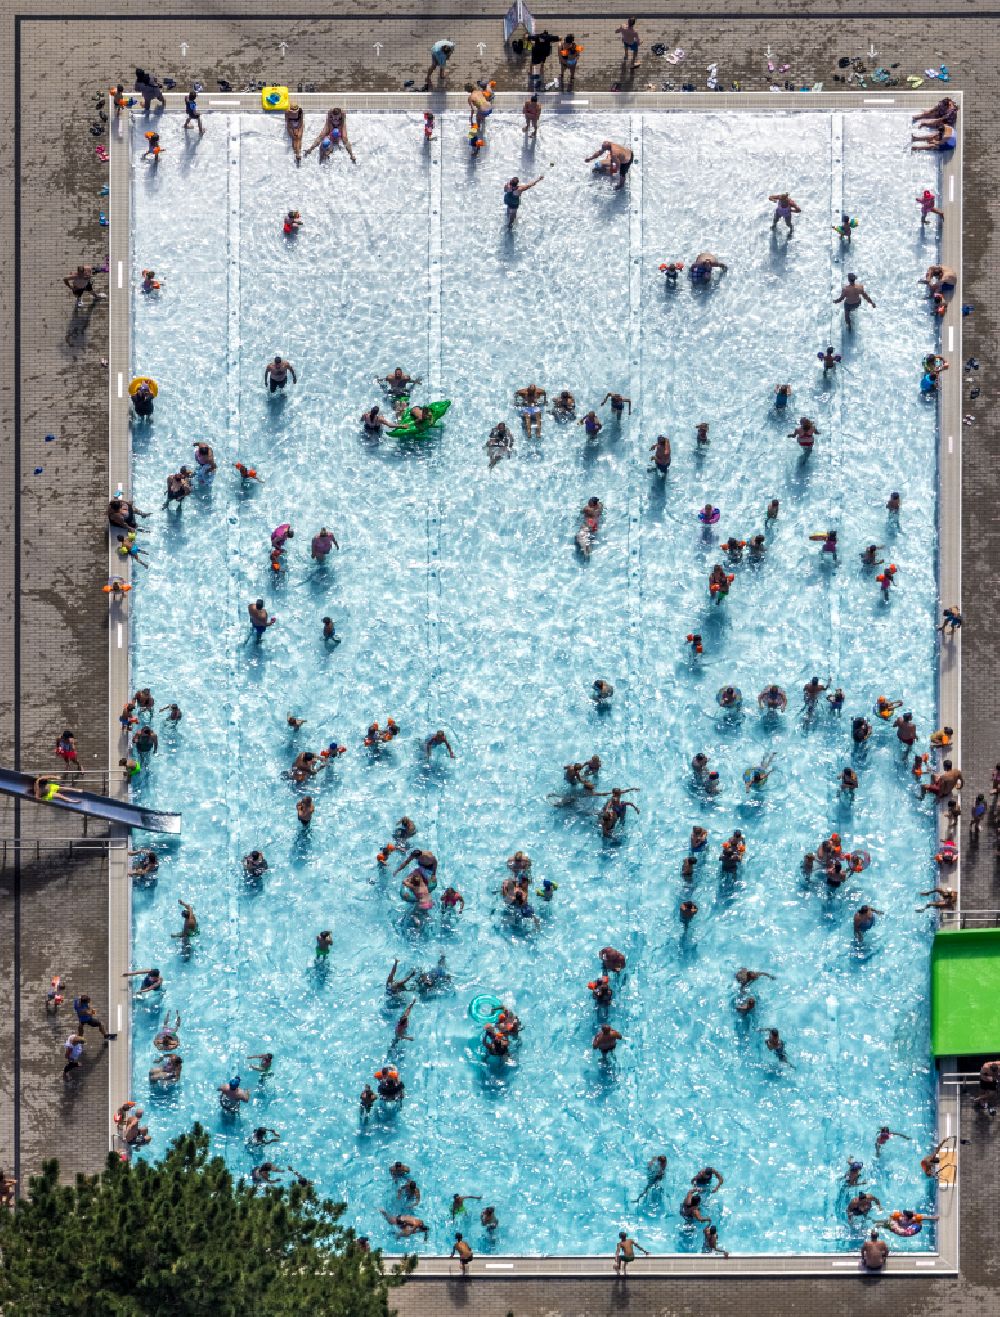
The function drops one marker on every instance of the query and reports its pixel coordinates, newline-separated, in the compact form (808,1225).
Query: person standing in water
(852,294)
(512,191)
(322,543)
(619,159)
(784,208)
(295,126)
(276,373)
(655,1172)
(259,619)
(532,113)
(530,399)
(661,455)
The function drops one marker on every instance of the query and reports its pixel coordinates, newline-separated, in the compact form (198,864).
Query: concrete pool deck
(52,579)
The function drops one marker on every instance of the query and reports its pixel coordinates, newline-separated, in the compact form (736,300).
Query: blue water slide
(87,802)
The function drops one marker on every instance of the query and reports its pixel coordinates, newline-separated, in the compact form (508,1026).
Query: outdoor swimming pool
(462,604)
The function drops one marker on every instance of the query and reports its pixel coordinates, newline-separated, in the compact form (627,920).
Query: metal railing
(98,780)
(970,919)
(34,849)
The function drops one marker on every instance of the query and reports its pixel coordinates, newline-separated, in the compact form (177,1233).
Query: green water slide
(965,992)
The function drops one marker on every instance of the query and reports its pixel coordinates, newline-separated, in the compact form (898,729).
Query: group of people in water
(521,895)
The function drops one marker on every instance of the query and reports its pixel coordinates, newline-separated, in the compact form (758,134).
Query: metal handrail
(971,918)
(99,780)
(71,846)
(56,843)
(104,773)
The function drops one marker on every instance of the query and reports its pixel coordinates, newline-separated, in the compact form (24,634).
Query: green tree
(180,1237)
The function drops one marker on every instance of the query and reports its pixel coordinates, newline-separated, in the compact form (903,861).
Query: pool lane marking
(234,577)
(434,224)
(632,490)
(837,153)
(434,564)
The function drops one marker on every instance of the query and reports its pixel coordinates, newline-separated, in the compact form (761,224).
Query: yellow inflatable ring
(274,98)
(137,383)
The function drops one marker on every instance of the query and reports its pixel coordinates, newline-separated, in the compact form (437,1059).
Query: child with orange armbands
(117,588)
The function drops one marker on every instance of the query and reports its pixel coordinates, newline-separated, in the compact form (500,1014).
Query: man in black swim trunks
(619,161)
(276,373)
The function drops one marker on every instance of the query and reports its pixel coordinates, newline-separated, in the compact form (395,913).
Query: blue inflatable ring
(484,1009)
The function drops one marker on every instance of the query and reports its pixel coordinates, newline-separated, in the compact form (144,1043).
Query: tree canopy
(181,1237)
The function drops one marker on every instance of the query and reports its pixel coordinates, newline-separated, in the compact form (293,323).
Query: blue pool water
(461,604)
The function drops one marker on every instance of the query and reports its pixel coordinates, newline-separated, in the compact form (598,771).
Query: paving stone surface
(56,61)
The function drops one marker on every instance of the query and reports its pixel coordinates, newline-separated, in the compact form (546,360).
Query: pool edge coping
(945,1260)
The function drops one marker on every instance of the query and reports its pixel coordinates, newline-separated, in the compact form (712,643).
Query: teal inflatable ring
(484,1009)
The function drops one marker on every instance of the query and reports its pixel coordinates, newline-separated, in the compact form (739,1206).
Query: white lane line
(119,635)
(951,444)
(121,385)
(121,272)
(951,338)
(436,222)
(951,188)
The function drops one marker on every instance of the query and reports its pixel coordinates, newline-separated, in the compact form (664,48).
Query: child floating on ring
(758,775)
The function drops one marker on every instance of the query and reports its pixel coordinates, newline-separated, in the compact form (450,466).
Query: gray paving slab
(54,636)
